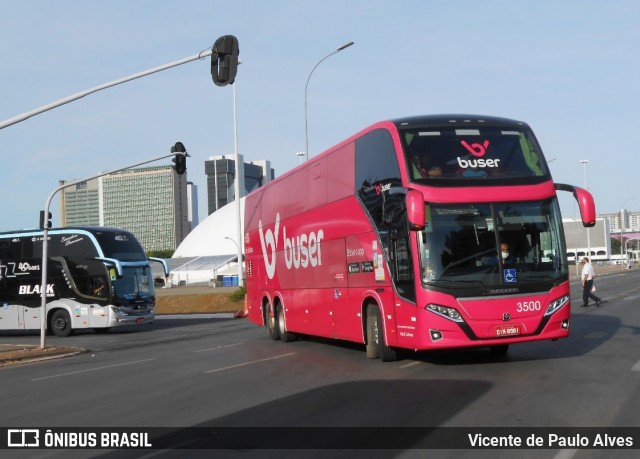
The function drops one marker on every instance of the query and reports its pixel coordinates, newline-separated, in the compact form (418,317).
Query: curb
(17,355)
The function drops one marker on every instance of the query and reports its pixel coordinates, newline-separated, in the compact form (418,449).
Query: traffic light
(180,159)
(45,223)
(224,60)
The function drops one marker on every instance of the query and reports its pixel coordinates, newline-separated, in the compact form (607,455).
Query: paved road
(211,371)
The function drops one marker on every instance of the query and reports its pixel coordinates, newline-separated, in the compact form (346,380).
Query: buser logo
(478,150)
(300,251)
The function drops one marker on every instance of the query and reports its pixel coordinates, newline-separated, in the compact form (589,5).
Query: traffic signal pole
(82,94)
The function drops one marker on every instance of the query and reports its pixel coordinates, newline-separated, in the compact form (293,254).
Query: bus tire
(282,330)
(371,327)
(61,323)
(376,346)
(271,322)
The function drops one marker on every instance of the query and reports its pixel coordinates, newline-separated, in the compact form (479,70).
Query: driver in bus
(507,257)
(98,287)
(421,169)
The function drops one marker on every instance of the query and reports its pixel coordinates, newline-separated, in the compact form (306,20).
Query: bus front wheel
(375,337)
(60,323)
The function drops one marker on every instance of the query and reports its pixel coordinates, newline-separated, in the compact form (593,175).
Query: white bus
(97,278)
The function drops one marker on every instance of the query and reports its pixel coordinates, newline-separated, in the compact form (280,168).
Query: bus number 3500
(528,306)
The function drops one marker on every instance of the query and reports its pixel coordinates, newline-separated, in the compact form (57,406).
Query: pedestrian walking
(587,284)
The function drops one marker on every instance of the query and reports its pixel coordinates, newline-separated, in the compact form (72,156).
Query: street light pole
(306,131)
(236,184)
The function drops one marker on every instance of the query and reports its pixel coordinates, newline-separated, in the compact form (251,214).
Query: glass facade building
(150,202)
(220,172)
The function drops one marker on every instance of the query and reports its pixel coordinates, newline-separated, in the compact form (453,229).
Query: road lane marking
(250,363)
(410,364)
(219,347)
(636,367)
(92,369)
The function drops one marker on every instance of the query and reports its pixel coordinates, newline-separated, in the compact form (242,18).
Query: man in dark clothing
(587,284)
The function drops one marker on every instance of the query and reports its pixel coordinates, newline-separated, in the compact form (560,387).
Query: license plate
(140,320)
(508,330)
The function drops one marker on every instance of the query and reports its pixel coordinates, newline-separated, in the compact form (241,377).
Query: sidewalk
(11,354)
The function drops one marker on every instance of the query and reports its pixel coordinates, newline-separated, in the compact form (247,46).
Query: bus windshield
(120,245)
(136,283)
(456,155)
(494,246)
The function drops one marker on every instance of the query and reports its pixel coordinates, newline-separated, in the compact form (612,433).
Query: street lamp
(584,163)
(306,131)
(239,175)
(622,211)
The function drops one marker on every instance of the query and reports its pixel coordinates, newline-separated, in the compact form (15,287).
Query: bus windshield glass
(120,246)
(455,156)
(493,246)
(136,283)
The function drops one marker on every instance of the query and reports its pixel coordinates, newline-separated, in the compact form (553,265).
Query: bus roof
(66,229)
(454,119)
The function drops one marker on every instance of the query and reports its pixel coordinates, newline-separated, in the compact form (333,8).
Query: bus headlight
(556,304)
(445,311)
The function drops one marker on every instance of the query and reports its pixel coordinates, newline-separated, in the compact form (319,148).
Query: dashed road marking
(91,369)
(250,363)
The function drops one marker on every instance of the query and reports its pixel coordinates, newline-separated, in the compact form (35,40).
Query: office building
(220,172)
(151,202)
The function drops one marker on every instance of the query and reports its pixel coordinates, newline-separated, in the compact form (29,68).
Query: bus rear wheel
(271,322)
(282,330)
(60,323)
(376,348)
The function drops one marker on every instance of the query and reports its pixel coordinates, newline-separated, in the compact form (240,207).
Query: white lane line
(636,367)
(92,369)
(250,363)
(410,364)
(219,347)
(565,454)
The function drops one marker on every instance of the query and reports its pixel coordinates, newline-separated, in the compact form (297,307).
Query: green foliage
(239,294)
(167,253)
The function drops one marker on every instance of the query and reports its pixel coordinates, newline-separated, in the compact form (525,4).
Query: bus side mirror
(415,210)
(585,203)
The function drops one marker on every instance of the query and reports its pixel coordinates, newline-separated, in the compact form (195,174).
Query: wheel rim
(376,335)
(271,322)
(60,323)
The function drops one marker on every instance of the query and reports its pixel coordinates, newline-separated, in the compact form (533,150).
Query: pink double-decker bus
(420,233)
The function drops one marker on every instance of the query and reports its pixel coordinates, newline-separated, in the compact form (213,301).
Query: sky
(569,68)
